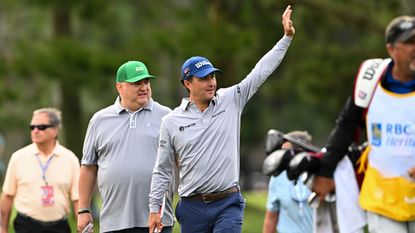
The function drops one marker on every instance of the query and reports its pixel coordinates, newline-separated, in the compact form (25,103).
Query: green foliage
(48,47)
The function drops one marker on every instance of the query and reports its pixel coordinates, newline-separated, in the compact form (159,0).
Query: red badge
(47,195)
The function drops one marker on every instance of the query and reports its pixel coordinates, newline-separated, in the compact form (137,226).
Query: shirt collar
(57,151)
(119,108)
(186,102)
(395,84)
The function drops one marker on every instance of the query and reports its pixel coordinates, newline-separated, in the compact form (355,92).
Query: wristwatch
(84,210)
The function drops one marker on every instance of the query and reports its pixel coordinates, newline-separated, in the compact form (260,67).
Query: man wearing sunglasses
(41,180)
(119,152)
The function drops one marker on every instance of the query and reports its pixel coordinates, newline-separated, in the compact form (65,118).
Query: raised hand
(287,23)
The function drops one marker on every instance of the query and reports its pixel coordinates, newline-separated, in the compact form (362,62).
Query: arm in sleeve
(262,70)
(10,180)
(163,169)
(343,134)
(89,151)
(272,206)
(9,192)
(74,192)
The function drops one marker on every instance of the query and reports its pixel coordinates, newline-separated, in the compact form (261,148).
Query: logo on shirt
(182,128)
(163,142)
(376,134)
(217,114)
(399,135)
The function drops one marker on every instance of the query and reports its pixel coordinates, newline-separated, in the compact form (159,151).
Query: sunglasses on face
(40,127)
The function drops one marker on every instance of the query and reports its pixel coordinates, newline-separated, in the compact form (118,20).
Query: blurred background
(65,54)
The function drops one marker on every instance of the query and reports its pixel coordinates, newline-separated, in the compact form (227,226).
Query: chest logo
(182,128)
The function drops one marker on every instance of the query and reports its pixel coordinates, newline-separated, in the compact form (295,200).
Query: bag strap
(367,79)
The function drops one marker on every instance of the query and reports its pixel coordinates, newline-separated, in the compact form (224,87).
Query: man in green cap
(119,151)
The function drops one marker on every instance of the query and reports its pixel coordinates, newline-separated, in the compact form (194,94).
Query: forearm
(341,137)
(75,205)
(159,186)
(270,222)
(87,179)
(6,207)
(162,172)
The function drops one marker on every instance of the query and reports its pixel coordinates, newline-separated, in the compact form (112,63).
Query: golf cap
(132,71)
(400,29)
(303,136)
(198,67)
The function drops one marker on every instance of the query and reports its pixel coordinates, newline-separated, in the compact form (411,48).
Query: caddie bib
(387,188)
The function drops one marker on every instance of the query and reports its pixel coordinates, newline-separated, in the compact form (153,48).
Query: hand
(154,223)
(83,220)
(411,173)
(289,29)
(323,186)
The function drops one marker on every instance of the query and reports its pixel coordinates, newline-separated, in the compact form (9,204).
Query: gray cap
(303,136)
(400,29)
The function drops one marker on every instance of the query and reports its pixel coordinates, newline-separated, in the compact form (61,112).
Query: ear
(56,132)
(187,83)
(118,86)
(390,48)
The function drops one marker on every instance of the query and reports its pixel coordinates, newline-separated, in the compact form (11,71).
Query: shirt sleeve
(10,182)
(342,135)
(273,202)
(163,169)
(75,179)
(90,155)
(262,70)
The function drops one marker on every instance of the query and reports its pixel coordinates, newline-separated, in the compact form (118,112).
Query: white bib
(391,132)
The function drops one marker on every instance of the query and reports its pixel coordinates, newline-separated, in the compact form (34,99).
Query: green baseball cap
(132,71)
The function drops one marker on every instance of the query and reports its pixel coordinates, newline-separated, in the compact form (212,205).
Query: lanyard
(44,167)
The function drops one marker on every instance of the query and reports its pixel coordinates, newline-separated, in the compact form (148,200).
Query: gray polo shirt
(206,144)
(124,146)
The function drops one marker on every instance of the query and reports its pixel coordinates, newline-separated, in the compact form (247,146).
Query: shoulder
(227,90)
(275,181)
(173,117)
(66,153)
(24,151)
(172,114)
(368,75)
(98,116)
(108,110)
(161,108)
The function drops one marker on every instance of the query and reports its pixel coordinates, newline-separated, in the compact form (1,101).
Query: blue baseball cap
(198,67)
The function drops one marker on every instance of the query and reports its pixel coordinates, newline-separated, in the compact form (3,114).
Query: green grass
(253,218)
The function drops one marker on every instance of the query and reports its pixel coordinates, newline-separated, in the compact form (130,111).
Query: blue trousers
(222,216)
(165,229)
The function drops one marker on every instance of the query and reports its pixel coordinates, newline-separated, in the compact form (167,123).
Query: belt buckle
(204,197)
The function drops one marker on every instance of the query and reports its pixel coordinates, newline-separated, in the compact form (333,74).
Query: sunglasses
(40,127)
